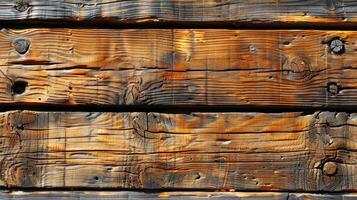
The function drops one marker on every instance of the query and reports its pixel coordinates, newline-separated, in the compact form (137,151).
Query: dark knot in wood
(22,5)
(337,46)
(22,45)
(329,168)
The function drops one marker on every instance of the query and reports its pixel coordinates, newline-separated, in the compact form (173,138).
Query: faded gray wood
(153,11)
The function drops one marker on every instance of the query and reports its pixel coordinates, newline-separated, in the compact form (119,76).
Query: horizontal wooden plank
(183,11)
(87,195)
(178,67)
(243,151)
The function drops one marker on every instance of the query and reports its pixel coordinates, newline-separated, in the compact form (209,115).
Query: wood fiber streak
(184,11)
(180,67)
(94,195)
(216,151)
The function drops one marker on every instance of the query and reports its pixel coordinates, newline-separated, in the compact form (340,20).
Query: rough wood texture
(250,151)
(94,195)
(334,12)
(179,67)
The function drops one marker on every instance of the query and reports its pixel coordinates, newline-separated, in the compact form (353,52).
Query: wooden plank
(303,196)
(243,151)
(59,195)
(178,67)
(87,195)
(335,12)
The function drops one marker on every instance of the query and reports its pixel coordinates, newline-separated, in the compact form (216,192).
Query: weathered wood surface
(334,12)
(178,67)
(87,195)
(243,151)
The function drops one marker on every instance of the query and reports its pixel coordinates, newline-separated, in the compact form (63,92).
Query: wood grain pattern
(94,195)
(243,151)
(184,11)
(179,67)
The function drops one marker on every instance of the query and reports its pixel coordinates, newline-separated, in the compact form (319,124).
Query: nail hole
(198,176)
(286,43)
(19,87)
(20,127)
(96,178)
(252,49)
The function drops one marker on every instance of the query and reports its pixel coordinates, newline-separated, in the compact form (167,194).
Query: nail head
(22,5)
(330,168)
(332,88)
(22,45)
(337,46)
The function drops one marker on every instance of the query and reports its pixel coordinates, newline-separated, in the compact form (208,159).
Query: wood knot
(20,173)
(132,93)
(139,123)
(322,131)
(329,168)
(297,68)
(22,45)
(22,5)
(333,5)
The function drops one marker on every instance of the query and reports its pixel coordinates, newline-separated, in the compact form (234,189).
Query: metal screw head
(330,168)
(337,46)
(22,5)
(332,88)
(22,45)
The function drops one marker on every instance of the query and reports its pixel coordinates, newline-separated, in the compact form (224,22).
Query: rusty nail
(337,46)
(330,168)
(332,88)
(22,45)
(22,5)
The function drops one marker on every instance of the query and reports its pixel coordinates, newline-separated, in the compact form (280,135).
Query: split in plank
(94,195)
(243,151)
(331,12)
(179,67)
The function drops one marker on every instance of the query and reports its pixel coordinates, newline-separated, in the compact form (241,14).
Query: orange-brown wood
(179,67)
(242,151)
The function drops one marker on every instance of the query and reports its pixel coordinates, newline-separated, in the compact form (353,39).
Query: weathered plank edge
(58,195)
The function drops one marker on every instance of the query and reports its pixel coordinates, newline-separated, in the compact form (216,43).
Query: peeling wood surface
(179,67)
(61,195)
(183,11)
(243,151)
